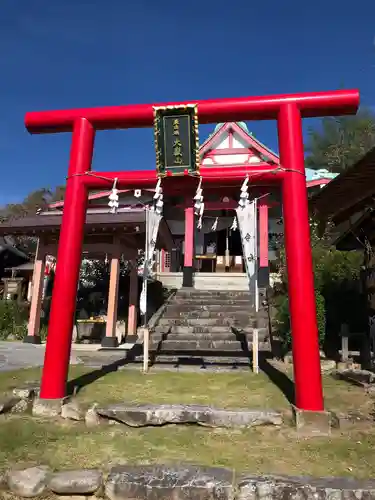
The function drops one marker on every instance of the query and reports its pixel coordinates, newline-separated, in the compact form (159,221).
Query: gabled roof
(241,129)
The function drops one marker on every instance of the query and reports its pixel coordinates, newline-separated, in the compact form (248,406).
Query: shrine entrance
(288,110)
(219,250)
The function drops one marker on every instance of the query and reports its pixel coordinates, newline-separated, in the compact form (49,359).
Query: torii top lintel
(339,102)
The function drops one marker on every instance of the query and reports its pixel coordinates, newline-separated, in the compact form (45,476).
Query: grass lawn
(63,444)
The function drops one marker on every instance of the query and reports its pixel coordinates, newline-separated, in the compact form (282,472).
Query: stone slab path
(16,355)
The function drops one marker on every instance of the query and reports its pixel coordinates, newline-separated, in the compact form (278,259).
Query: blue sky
(78,53)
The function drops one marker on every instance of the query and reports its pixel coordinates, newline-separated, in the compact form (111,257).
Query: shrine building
(218,259)
(217,249)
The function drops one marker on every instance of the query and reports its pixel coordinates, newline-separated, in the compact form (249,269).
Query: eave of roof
(359,231)
(349,192)
(42,223)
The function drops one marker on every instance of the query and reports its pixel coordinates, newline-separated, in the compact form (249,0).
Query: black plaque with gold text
(176,140)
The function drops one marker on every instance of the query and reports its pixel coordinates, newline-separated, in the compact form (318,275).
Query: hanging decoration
(143,299)
(158,199)
(244,196)
(234,225)
(153,218)
(113,198)
(199,204)
(248,230)
(214,225)
(243,201)
(246,222)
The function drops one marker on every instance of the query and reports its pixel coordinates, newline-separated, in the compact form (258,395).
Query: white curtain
(247,225)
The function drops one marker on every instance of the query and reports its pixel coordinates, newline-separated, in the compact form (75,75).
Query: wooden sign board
(176,140)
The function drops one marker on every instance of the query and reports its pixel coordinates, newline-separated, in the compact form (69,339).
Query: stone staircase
(208,328)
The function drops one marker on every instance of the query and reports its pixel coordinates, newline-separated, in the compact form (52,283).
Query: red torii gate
(288,110)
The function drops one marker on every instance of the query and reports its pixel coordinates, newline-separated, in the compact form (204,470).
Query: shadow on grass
(277,377)
(75,385)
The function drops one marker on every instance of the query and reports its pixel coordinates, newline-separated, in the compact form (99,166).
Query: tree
(38,199)
(337,292)
(341,141)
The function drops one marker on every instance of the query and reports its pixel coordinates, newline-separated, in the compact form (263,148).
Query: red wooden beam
(337,102)
(252,166)
(227,205)
(138,179)
(229,151)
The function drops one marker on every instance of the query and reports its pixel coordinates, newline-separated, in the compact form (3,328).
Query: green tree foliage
(283,319)
(13,320)
(341,141)
(337,289)
(36,200)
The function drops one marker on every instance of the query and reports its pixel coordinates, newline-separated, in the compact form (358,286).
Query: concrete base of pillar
(187,277)
(312,423)
(131,339)
(264,277)
(110,342)
(32,339)
(48,407)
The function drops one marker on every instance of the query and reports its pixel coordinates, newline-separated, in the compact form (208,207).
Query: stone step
(205,346)
(201,313)
(198,360)
(198,306)
(142,415)
(195,291)
(211,329)
(205,322)
(200,345)
(209,325)
(212,301)
(213,336)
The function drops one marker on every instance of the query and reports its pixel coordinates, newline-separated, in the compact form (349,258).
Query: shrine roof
(252,139)
(42,223)
(240,124)
(321,173)
(348,193)
(6,247)
(358,233)
(123,223)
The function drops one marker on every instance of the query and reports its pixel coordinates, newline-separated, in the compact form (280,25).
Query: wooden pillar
(189,248)
(263,277)
(133,303)
(110,339)
(33,334)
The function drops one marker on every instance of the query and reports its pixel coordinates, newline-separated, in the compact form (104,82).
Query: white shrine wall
(231,159)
